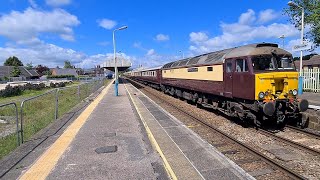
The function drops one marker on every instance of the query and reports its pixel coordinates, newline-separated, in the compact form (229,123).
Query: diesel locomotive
(256,82)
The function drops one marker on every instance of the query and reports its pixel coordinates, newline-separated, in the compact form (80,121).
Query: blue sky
(51,31)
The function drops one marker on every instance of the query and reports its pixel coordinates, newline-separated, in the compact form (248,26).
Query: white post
(300,87)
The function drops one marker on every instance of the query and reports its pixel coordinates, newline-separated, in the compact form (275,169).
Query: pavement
(313,98)
(126,137)
(105,142)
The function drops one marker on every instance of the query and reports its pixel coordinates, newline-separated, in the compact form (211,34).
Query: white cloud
(67,37)
(267,16)
(239,33)
(247,17)
(138,45)
(52,56)
(33,4)
(150,52)
(107,23)
(198,37)
(56,3)
(162,37)
(23,26)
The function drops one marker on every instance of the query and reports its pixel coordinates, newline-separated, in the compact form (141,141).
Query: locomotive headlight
(290,92)
(294,92)
(261,95)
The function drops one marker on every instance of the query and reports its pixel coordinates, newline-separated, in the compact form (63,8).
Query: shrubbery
(60,76)
(56,85)
(17,90)
(10,91)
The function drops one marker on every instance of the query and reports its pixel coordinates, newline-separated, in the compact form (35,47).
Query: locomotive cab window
(285,63)
(241,65)
(229,67)
(262,63)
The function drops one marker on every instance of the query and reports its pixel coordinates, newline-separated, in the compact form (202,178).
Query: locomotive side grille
(184,62)
(193,60)
(168,65)
(175,63)
(214,57)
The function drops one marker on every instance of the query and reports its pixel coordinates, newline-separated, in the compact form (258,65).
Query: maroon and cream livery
(255,82)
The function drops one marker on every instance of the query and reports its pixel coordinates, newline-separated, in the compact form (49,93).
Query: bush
(60,76)
(10,91)
(52,85)
(17,90)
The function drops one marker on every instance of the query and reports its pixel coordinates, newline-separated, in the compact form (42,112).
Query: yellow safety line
(154,142)
(43,166)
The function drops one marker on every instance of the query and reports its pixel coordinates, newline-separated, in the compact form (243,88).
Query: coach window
(209,68)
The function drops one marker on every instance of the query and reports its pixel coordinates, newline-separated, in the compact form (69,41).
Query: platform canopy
(122,64)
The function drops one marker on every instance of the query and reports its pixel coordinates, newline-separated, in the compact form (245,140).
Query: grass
(40,112)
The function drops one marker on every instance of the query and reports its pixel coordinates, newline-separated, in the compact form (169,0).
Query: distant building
(59,72)
(312,63)
(5,71)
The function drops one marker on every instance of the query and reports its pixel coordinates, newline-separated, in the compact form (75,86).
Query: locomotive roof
(218,57)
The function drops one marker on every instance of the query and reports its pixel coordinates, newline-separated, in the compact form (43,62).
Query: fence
(38,112)
(9,128)
(311,82)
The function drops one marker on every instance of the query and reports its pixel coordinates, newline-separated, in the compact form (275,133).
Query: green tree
(311,18)
(15,71)
(13,61)
(67,65)
(29,66)
(305,57)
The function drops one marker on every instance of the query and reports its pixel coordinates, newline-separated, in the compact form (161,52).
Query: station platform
(313,98)
(130,137)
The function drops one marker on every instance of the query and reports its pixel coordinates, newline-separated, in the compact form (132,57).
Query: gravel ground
(306,164)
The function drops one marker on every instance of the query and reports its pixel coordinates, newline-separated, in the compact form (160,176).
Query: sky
(49,32)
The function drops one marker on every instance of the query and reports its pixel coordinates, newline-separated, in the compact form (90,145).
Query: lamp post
(294,5)
(282,37)
(116,84)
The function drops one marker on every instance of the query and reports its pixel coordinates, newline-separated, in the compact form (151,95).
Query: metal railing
(38,112)
(9,123)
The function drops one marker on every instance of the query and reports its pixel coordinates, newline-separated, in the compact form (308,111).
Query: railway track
(309,133)
(259,155)
(290,142)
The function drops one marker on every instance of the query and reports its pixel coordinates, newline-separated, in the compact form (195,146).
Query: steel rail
(264,158)
(303,131)
(291,143)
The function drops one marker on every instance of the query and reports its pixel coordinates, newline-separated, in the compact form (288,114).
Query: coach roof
(218,57)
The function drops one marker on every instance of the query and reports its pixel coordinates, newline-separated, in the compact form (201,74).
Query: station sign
(302,47)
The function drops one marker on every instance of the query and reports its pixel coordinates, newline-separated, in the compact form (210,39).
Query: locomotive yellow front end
(276,89)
